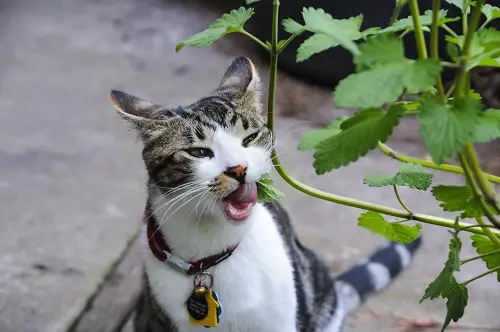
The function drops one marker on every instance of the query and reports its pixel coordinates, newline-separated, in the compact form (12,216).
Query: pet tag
(203,305)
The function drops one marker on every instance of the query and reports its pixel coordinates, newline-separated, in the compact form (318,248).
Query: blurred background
(72,183)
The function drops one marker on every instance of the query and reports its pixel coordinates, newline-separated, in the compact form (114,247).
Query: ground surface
(71,186)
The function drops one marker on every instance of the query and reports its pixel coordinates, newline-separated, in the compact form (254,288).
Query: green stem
(464,22)
(485,186)
(471,226)
(274,68)
(449,30)
(400,200)
(288,41)
(255,39)
(419,33)
(469,37)
(480,256)
(481,275)
(396,12)
(477,194)
(436,4)
(488,232)
(428,164)
(367,205)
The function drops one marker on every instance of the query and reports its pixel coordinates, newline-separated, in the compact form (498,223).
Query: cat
(202,214)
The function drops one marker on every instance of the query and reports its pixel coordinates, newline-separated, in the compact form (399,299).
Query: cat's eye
(249,139)
(200,153)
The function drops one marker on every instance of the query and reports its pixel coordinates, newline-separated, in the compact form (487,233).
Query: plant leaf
(343,32)
(249,2)
(293,27)
(357,140)
(491,12)
(445,279)
(458,198)
(380,50)
(425,20)
(462,4)
(385,83)
(488,127)
(484,245)
(397,232)
(457,297)
(313,137)
(409,175)
(266,191)
(315,44)
(227,23)
(446,127)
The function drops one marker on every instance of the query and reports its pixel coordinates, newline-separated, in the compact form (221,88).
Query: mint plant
(451,121)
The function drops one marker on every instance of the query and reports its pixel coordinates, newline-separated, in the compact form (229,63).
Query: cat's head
(216,149)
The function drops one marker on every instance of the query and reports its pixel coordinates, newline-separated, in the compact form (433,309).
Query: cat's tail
(374,273)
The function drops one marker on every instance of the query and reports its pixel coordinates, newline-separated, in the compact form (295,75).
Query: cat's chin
(237,206)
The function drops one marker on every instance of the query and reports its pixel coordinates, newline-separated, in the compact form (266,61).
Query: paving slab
(72,182)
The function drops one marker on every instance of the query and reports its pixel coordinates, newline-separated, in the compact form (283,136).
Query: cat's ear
(241,79)
(134,109)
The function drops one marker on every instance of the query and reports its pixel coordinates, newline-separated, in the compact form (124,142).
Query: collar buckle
(176,261)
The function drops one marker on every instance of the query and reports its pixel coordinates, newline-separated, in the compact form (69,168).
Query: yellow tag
(210,319)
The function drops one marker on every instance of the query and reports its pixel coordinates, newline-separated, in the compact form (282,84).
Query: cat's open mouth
(238,205)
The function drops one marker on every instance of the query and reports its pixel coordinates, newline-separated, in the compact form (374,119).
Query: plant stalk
(255,39)
(497,251)
(428,164)
(469,37)
(347,201)
(481,275)
(483,183)
(419,33)
(436,4)
(472,184)
(400,200)
(274,68)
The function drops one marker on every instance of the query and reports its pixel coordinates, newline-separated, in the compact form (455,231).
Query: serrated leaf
(227,23)
(393,231)
(385,83)
(491,12)
(445,279)
(356,141)
(457,297)
(446,127)
(380,50)
(266,191)
(293,27)
(344,31)
(484,245)
(486,41)
(462,4)
(488,127)
(313,137)
(315,44)
(458,198)
(425,20)
(409,175)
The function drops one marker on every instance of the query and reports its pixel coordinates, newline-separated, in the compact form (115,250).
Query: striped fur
(299,290)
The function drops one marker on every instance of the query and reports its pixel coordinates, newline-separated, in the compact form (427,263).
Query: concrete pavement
(72,182)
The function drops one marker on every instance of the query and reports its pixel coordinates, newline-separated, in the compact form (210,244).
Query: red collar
(161,250)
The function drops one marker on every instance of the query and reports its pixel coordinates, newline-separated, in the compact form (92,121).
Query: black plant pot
(331,66)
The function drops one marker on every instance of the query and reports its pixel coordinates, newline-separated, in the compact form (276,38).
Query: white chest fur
(255,285)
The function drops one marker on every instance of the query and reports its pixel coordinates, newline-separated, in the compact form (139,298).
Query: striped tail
(375,273)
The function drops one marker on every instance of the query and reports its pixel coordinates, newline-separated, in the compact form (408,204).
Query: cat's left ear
(241,80)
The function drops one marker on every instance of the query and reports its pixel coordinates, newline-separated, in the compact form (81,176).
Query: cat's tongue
(238,204)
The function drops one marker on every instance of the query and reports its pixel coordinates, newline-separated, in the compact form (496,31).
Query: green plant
(451,121)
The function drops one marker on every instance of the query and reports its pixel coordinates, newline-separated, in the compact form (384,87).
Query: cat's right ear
(134,109)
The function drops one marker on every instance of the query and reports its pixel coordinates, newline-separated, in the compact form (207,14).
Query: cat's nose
(238,173)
